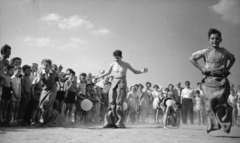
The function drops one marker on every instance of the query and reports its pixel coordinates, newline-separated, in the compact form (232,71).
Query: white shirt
(188,93)
(16,85)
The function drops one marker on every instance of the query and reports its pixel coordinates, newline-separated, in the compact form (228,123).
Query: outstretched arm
(136,71)
(106,73)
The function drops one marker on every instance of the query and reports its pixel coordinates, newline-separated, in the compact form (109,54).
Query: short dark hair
(155,86)
(8,67)
(47,61)
(117,53)
(149,83)
(25,67)
(187,82)
(4,48)
(171,85)
(14,59)
(179,105)
(83,74)
(197,92)
(214,31)
(166,89)
(72,72)
(140,85)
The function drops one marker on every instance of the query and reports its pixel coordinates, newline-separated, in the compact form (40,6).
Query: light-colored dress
(156,96)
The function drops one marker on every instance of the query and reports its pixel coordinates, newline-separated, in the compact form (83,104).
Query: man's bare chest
(118,68)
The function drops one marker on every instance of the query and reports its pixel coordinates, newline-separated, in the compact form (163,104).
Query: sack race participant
(215,85)
(50,116)
(118,91)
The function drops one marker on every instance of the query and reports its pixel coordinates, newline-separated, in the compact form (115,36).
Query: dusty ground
(133,133)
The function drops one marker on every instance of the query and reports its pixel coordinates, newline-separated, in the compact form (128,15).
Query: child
(97,103)
(2,80)
(26,88)
(199,105)
(218,61)
(6,95)
(59,102)
(89,94)
(16,95)
(36,93)
(81,93)
(71,89)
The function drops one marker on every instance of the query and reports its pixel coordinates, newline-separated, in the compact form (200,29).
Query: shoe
(33,123)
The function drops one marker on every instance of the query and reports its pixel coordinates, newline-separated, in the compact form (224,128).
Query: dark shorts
(60,95)
(6,94)
(70,97)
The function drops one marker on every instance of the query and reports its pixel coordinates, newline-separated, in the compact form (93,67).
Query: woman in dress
(50,116)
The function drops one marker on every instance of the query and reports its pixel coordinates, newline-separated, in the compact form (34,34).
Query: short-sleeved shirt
(16,85)
(81,88)
(188,93)
(215,59)
(73,88)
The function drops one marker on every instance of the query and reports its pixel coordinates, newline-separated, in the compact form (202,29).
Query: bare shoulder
(112,64)
(126,64)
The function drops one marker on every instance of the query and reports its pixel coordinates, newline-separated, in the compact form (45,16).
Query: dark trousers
(187,105)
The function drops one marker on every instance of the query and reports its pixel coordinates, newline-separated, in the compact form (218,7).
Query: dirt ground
(137,133)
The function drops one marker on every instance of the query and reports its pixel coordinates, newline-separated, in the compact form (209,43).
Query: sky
(160,35)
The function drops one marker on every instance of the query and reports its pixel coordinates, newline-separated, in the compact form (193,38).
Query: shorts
(6,94)
(60,95)
(70,97)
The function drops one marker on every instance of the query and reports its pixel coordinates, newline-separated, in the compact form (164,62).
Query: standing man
(187,102)
(117,93)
